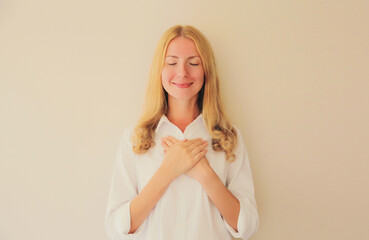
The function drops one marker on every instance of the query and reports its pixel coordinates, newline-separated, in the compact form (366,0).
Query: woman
(183,171)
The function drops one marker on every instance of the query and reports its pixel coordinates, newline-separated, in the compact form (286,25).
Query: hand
(200,169)
(181,156)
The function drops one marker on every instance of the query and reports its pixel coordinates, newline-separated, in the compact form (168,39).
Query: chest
(147,164)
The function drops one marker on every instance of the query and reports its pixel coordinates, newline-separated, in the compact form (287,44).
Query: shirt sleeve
(240,183)
(123,189)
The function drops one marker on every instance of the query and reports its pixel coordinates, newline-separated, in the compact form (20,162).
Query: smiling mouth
(183,85)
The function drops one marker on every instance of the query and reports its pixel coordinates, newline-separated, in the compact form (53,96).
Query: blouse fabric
(184,212)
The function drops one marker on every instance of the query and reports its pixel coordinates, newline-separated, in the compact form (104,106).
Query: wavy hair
(224,136)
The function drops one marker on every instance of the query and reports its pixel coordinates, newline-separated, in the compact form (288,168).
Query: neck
(182,112)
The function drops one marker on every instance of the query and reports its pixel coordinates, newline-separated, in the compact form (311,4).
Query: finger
(194,145)
(200,155)
(172,139)
(167,141)
(198,144)
(189,142)
(165,145)
(198,148)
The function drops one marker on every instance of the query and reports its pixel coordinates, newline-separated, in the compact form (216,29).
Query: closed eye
(190,64)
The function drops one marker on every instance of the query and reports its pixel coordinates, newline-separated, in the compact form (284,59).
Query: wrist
(165,175)
(207,176)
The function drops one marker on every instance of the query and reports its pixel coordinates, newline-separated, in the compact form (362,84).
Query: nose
(182,71)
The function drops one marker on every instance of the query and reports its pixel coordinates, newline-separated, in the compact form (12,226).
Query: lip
(183,85)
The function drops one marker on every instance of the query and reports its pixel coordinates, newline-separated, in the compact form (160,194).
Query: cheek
(166,75)
(198,75)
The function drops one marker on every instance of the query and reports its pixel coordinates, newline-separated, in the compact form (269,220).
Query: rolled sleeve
(123,189)
(240,184)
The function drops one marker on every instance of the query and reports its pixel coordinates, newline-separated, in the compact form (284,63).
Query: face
(183,74)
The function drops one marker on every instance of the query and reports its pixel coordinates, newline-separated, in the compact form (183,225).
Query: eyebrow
(177,57)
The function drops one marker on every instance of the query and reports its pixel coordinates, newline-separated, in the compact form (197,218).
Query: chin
(183,96)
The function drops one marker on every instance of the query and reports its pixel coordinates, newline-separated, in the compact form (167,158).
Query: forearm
(146,200)
(227,204)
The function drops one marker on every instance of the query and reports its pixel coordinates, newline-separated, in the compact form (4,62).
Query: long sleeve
(123,189)
(240,183)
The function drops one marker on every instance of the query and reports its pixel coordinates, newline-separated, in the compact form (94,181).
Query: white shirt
(184,212)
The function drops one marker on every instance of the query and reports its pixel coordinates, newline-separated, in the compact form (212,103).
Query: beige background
(294,78)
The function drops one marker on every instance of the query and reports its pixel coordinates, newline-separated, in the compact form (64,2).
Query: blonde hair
(224,136)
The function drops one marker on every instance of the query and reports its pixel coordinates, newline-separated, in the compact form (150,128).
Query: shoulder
(236,128)
(240,142)
(238,132)
(128,131)
(127,134)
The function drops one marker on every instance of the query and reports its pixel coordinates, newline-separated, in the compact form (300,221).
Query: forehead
(182,47)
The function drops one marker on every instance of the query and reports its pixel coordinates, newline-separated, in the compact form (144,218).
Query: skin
(183,65)
(180,66)
(200,170)
(186,68)
(188,155)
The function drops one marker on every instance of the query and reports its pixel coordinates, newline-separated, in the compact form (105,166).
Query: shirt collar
(165,119)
